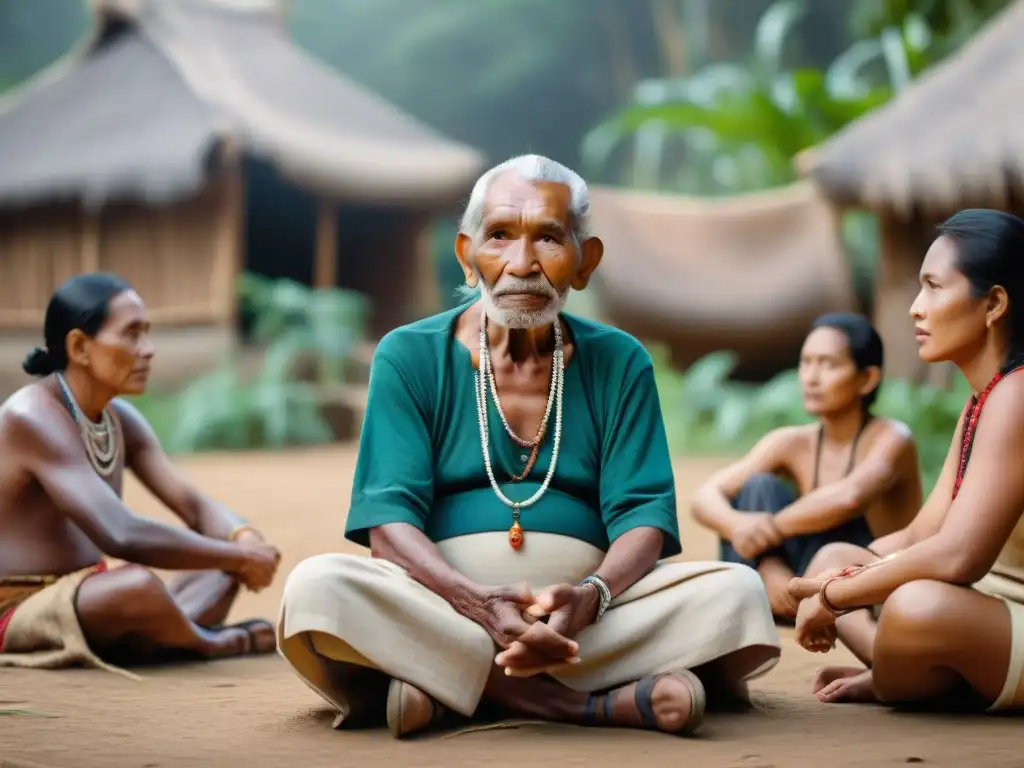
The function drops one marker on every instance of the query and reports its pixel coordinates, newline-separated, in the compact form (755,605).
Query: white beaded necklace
(484,381)
(542,430)
(100,440)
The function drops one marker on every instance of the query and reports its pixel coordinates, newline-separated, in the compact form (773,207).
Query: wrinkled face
(949,322)
(119,356)
(525,258)
(829,379)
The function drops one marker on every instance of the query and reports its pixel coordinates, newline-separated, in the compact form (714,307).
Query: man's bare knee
(130,591)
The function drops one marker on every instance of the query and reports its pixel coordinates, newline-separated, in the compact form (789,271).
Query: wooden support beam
(90,241)
(229,250)
(325,268)
(896,286)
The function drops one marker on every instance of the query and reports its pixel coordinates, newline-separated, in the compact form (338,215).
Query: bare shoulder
(33,420)
(784,446)
(891,432)
(137,431)
(793,438)
(1004,408)
(131,418)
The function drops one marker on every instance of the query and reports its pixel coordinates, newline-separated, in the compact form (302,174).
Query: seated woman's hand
(815,625)
(755,535)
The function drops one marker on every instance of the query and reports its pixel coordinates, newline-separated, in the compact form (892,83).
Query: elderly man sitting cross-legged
(515,489)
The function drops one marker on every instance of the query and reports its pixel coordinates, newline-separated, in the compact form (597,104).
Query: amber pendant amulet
(515,535)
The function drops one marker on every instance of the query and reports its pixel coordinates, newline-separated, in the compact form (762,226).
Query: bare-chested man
(64,445)
(856,475)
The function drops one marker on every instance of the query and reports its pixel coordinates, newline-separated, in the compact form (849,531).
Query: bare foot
(252,637)
(850,685)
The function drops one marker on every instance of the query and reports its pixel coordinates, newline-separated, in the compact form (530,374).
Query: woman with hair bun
(65,442)
(950,584)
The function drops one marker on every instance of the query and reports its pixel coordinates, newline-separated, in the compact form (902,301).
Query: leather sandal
(410,710)
(250,626)
(642,697)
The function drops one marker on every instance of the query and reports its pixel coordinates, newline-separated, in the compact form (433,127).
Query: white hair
(536,168)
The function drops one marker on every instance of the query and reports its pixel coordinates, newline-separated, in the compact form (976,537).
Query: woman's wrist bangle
(240,529)
(825,602)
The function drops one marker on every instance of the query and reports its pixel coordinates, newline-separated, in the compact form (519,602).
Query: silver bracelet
(604,594)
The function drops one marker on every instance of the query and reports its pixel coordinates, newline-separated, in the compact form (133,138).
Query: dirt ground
(255,713)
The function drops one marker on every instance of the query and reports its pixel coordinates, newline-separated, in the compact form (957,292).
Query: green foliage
(951,20)
(707,412)
(295,320)
(735,127)
(309,337)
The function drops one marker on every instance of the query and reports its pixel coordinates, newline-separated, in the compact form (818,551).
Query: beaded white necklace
(100,440)
(484,382)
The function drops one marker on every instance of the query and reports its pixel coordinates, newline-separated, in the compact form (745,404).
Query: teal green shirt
(420,460)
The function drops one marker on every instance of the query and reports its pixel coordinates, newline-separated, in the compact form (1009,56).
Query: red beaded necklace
(971,415)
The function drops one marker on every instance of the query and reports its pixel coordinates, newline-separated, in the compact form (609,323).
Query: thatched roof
(137,109)
(952,138)
(747,273)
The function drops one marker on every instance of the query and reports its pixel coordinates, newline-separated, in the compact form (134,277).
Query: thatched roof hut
(746,273)
(136,153)
(951,140)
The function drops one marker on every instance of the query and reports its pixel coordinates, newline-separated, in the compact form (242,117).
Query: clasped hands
(262,561)
(531,645)
(755,534)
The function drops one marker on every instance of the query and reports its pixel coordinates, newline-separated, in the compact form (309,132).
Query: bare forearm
(630,558)
(713,510)
(214,520)
(820,510)
(408,547)
(932,559)
(892,542)
(147,542)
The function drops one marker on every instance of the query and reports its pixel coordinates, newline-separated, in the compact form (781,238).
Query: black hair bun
(38,363)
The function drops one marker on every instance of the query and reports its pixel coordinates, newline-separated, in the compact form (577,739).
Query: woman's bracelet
(240,529)
(846,573)
(823,598)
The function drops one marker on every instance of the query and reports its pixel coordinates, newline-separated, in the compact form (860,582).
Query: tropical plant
(305,338)
(707,412)
(736,126)
(299,322)
(951,21)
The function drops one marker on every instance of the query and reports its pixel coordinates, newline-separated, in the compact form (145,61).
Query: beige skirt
(43,631)
(1012,595)
(345,611)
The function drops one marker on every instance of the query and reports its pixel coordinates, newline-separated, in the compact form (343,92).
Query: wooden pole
(325,269)
(90,241)
(896,287)
(229,248)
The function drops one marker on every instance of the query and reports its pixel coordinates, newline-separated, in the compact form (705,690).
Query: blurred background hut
(950,140)
(747,273)
(185,141)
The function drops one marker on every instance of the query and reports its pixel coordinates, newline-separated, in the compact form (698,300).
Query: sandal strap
(590,709)
(642,697)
